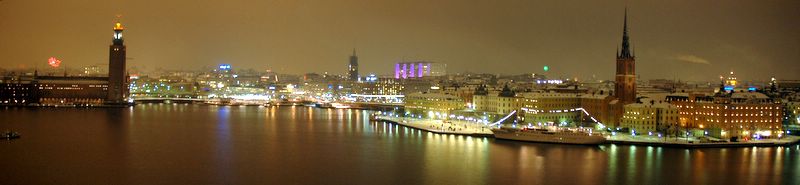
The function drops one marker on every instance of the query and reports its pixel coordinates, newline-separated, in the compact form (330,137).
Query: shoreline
(786,141)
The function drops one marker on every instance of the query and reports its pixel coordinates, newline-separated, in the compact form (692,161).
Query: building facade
(551,107)
(54,91)
(649,117)
(72,91)
(419,69)
(14,91)
(497,103)
(432,103)
(741,115)
(378,89)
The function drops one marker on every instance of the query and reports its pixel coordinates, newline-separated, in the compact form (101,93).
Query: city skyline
(407,92)
(460,37)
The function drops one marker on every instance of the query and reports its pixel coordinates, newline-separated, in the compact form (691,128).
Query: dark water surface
(195,144)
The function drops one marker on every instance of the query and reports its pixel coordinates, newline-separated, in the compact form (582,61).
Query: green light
(546,68)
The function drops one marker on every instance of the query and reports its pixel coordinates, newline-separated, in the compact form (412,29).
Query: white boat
(563,136)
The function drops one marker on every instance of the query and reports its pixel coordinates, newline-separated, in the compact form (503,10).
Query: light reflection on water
(196,144)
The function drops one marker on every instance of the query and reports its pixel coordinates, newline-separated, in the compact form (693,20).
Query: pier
(440,126)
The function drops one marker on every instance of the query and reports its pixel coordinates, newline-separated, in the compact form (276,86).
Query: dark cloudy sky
(682,39)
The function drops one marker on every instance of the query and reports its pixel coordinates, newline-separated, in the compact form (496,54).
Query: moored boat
(10,135)
(543,135)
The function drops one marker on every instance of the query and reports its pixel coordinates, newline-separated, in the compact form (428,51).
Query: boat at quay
(10,135)
(545,135)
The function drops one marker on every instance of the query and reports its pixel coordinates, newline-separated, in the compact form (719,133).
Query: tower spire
(626,50)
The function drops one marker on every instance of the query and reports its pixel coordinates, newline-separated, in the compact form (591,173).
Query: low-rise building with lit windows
(16,92)
(551,107)
(649,117)
(81,91)
(425,103)
(731,115)
(498,103)
(54,90)
(378,89)
(602,107)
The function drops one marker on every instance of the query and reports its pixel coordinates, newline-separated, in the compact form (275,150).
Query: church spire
(626,48)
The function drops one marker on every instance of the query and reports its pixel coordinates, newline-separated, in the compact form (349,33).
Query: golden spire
(118,26)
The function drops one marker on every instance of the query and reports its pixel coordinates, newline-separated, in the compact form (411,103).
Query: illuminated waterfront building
(649,117)
(79,91)
(378,89)
(602,107)
(15,91)
(54,91)
(729,115)
(551,107)
(547,106)
(422,103)
(499,103)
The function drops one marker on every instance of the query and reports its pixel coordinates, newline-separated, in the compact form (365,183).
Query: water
(195,144)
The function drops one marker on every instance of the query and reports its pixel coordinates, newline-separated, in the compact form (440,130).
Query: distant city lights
(371,78)
(549,81)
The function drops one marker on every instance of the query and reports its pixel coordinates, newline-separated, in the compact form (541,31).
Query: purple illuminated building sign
(405,70)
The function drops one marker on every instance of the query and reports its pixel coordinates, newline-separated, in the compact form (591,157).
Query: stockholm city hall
(84,91)
(117,88)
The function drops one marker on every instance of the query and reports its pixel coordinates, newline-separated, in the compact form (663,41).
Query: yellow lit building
(647,117)
(423,103)
(500,103)
(551,107)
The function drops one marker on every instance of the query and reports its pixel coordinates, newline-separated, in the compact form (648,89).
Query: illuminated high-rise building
(352,68)
(117,90)
(625,88)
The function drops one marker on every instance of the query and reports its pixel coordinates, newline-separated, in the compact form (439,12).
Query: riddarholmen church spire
(626,46)
(625,79)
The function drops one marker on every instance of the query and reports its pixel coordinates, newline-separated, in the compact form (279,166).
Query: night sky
(678,39)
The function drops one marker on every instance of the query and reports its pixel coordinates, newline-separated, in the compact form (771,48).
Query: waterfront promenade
(439,126)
